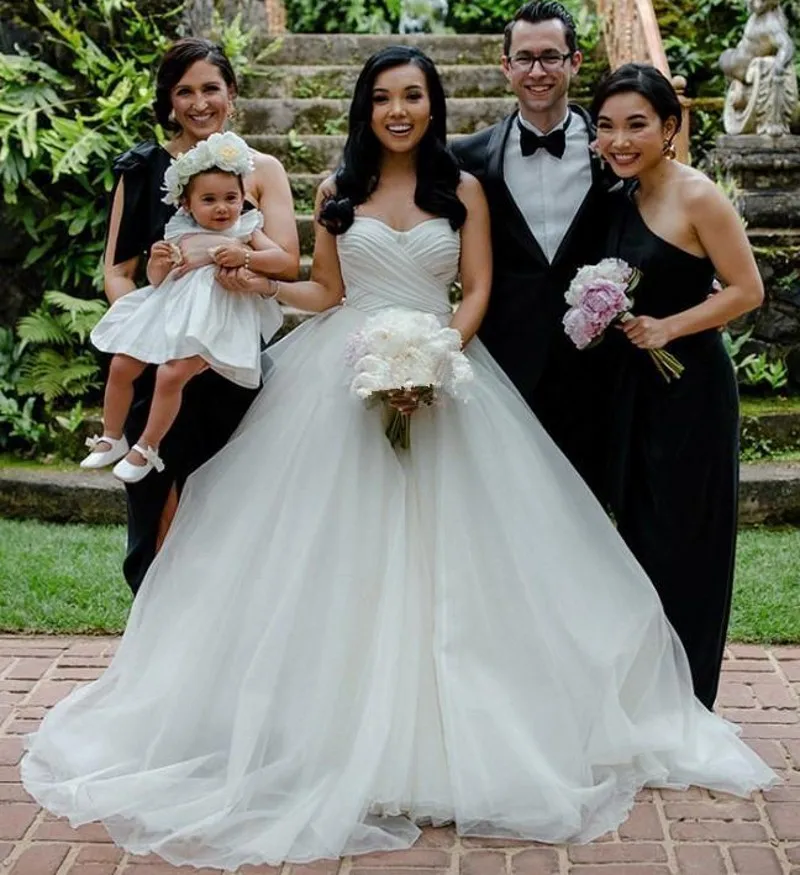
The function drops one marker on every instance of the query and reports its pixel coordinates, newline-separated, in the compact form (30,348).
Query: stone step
(326,116)
(311,49)
(774,238)
(305,231)
(306,154)
(310,153)
(304,189)
(769,495)
(459,80)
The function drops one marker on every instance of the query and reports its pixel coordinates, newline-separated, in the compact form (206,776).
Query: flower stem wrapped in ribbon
(401,352)
(599,295)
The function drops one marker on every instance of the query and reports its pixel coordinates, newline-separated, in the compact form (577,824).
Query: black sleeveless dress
(212,406)
(675,450)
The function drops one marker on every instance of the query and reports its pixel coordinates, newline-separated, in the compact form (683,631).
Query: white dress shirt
(548,190)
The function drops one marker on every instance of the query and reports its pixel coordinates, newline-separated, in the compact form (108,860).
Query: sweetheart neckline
(406,230)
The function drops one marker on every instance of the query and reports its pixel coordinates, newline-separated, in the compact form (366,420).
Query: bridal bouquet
(598,296)
(399,351)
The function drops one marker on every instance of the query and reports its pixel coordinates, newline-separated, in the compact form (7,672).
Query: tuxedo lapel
(514,220)
(603,181)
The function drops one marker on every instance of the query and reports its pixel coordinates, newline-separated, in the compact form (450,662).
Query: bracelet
(247,254)
(274,288)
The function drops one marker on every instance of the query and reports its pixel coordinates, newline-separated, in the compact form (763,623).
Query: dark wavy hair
(642,79)
(538,11)
(176,61)
(359,172)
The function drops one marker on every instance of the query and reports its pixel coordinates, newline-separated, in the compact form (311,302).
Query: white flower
(405,349)
(227,152)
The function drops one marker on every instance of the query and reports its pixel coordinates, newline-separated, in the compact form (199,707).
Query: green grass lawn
(57,578)
(67,579)
(766,602)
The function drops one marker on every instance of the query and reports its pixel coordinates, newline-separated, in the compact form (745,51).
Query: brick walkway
(668,833)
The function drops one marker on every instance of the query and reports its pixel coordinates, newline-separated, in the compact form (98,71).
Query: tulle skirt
(340,641)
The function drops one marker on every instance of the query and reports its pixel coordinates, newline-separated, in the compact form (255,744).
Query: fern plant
(66,110)
(64,115)
(57,363)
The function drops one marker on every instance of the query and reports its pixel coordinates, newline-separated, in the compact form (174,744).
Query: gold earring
(231,110)
(669,150)
(171,116)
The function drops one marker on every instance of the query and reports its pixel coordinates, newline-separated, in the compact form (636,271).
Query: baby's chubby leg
(111,446)
(119,394)
(171,377)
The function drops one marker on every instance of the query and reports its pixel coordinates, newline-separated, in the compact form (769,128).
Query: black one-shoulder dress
(212,406)
(675,449)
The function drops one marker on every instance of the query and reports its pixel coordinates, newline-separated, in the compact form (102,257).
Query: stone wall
(763,174)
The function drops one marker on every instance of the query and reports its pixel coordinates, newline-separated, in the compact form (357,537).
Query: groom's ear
(576,61)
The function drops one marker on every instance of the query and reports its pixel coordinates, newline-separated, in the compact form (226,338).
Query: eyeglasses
(524,63)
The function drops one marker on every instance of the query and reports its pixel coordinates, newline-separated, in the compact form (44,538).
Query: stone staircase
(294,103)
(295,99)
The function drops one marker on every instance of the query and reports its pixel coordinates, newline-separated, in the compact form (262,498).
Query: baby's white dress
(194,315)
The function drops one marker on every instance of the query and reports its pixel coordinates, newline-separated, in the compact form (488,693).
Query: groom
(547,197)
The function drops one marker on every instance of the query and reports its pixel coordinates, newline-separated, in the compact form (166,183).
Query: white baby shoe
(130,473)
(100,458)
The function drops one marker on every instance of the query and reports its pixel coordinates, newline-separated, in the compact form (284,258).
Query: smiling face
(401,108)
(215,199)
(201,100)
(542,90)
(631,135)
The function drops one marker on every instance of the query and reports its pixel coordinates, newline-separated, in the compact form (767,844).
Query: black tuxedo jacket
(522,328)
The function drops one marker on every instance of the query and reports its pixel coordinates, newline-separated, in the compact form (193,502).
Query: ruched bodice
(383,267)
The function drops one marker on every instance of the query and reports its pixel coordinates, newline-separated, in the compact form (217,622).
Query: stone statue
(762,91)
(423,16)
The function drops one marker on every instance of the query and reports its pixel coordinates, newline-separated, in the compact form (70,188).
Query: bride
(339,641)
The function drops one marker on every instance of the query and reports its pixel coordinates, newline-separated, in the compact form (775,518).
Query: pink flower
(579,328)
(598,305)
(603,302)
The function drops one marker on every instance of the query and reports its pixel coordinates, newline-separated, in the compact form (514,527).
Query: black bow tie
(555,142)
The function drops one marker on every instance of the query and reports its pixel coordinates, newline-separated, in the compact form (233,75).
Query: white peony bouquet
(398,351)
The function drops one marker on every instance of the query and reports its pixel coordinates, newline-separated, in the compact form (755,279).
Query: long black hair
(358,174)
(645,80)
(176,61)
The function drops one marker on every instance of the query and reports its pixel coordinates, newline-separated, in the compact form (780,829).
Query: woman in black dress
(195,93)
(675,444)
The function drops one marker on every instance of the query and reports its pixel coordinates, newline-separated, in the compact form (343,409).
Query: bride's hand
(239,279)
(647,332)
(404,400)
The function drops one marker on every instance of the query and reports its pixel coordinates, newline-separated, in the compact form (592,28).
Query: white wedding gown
(339,641)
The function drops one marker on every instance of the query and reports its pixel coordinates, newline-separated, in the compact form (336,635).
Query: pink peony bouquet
(598,296)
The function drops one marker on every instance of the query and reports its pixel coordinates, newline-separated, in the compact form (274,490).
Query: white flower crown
(227,152)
